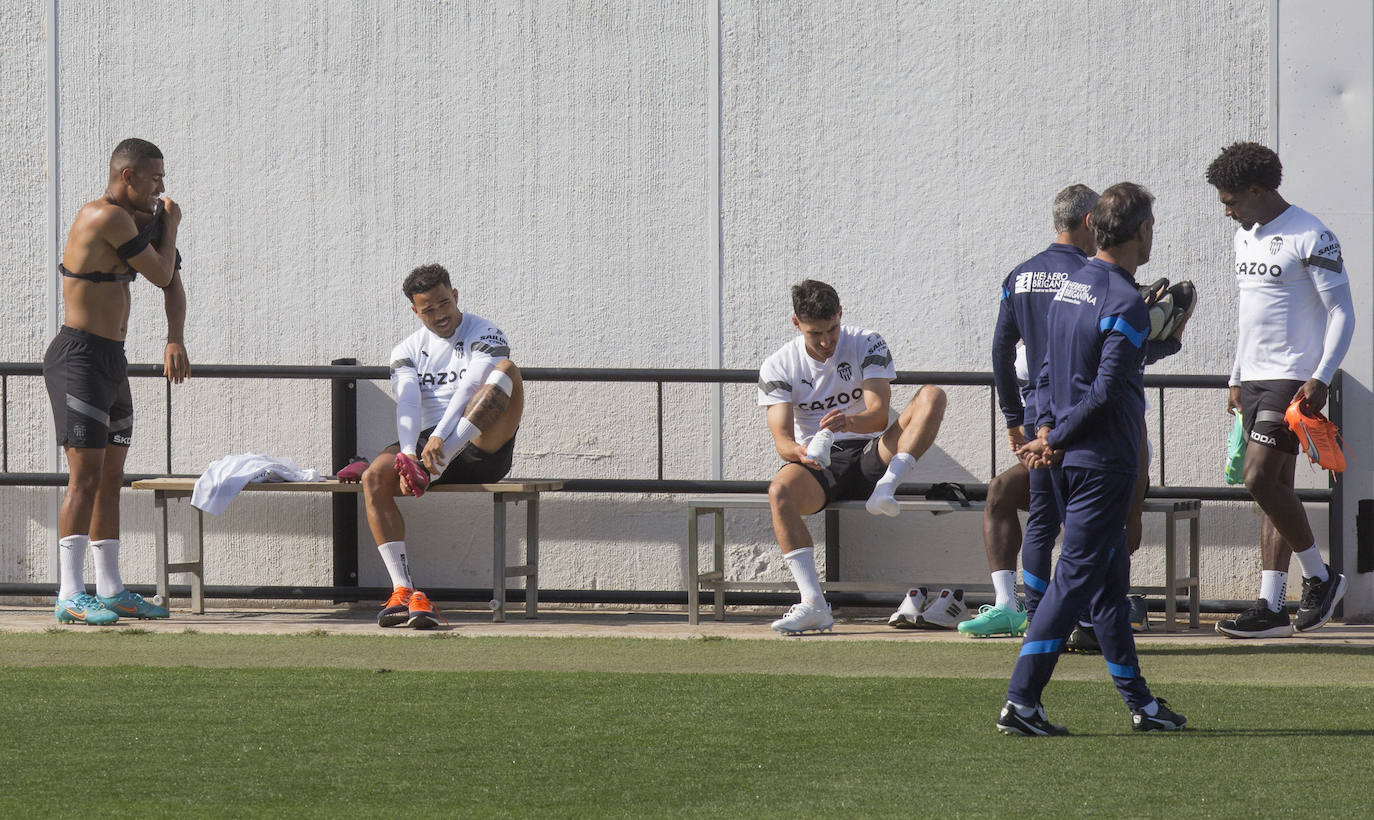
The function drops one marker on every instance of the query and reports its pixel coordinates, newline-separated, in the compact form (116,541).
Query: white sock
(897,469)
(71,560)
(802,562)
(1312,564)
(106,555)
(1273,588)
(465,432)
(1004,585)
(394,555)
(881,501)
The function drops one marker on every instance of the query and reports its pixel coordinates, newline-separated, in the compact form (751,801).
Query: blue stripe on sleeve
(1120,325)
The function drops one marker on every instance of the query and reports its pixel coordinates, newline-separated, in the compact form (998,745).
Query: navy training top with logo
(1091,388)
(815,388)
(1026,295)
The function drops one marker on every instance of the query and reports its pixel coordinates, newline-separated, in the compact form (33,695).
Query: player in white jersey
(459,398)
(828,394)
(1296,321)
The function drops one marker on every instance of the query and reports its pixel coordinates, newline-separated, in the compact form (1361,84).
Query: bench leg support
(198,566)
(532,557)
(693,567)
(498,559)
(160,534)
(719,552)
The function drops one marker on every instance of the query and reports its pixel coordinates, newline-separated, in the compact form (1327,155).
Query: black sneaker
(1259,621)
(1165,720)
(1319,599)
(1083,640)
(1010,722)
(1140,613)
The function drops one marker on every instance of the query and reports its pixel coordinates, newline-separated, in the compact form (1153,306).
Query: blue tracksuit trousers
(1037,545)
(1094,568)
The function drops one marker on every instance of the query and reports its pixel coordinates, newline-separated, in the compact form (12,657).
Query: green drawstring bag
(1235,453)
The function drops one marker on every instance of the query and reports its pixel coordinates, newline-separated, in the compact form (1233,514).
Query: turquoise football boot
(131,605)
(84,608)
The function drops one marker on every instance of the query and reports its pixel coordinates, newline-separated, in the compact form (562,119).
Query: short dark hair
(1119,213)
(133,151)
(813,301)
(1071,205)
(1243,164)
(425,278)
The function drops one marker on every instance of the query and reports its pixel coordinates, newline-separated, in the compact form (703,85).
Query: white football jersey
(439,365)
(1281,267)
(815,388)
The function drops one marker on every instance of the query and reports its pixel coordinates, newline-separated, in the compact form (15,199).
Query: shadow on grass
(1254,650)
(1279,732)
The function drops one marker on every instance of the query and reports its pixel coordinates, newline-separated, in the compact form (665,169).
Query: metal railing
(349,373)
(344,373)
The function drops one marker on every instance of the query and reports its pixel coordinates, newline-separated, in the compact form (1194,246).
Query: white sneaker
(906,614)
(947,611)
(804,617)
(818,448)
(882,503)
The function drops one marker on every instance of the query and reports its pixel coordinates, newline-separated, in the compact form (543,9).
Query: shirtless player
(128,231)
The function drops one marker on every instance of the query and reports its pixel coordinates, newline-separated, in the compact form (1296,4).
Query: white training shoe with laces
(910,609)
(804,617)
(947,611)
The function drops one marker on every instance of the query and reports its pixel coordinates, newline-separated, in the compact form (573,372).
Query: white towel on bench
(225,478)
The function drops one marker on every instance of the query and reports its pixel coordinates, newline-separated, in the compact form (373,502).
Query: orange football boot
(1317,435)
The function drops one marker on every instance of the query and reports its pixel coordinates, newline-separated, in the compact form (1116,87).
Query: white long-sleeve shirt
(434,378)
(1296,312)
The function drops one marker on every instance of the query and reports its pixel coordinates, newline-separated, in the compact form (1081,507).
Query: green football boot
(994,620)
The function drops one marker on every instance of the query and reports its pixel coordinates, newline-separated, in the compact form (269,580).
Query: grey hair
(1071,205)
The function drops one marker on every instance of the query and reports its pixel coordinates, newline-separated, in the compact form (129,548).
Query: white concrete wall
(26,512)
(1325,134)
(557,158)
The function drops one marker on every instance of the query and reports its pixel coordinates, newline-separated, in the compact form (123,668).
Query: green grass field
(319,725)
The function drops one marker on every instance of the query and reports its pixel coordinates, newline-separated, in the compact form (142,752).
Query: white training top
(1284,268)
(434,378)
(815,388)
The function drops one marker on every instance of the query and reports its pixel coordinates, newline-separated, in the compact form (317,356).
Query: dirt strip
(552,622)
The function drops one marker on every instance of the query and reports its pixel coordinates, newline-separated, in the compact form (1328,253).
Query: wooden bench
(501,493)
(715,581)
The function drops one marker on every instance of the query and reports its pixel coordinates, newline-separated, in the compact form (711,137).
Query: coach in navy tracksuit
(1026,296)
(1091,411)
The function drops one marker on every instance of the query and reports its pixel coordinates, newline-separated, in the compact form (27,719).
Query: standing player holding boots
(1296,321)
